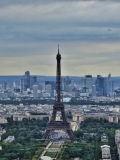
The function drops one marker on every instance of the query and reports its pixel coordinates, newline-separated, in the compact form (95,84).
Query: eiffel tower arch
(58,107)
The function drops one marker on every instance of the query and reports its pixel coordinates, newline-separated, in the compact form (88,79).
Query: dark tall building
(21,85)
(27,73)
(26,80)
(110,86)
(101,85)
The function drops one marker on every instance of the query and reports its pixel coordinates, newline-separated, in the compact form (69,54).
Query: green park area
(87,144)
(51,154)
(27,144)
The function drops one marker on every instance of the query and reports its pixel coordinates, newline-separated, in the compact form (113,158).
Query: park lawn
(51,154)
(55,146)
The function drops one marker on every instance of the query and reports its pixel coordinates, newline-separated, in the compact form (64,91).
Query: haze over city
(88,33)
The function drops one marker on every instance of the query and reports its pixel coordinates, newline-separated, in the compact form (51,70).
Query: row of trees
(88,141)
(27,144)
(74,101)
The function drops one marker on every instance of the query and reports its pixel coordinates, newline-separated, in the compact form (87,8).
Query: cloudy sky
(88,33)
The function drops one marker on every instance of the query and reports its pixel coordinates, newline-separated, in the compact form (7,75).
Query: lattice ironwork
(58,106)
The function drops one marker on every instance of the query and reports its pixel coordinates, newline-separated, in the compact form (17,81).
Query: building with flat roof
(104,138)
(9,139)
(35,91)
(87,82)
(106,152)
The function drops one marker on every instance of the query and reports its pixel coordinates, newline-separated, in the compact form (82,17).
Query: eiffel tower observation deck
(58,107)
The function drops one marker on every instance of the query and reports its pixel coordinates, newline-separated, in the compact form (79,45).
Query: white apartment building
(0,148)
(117,136)
(117,140)
(9,139)
(106,152)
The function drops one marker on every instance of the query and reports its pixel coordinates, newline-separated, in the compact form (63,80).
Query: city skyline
(87,31)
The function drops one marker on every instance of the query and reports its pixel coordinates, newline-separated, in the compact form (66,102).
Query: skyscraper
(105,88)
(101,85)
(26,80)
(35,91)
(21,85)
(110,85)
(65,82)
(48,88)
(93,90)
(33,81)
(87,82)
(52,83)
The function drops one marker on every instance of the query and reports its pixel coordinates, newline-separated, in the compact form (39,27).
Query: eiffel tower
(58,107)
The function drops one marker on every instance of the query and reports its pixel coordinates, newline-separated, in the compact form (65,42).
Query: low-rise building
(2,131)
(74,126)
(117,136)
(106,152)
(118,149)
(117,140)
(0,148)
(3,120)
(9,139)
(29,117)
(104,138)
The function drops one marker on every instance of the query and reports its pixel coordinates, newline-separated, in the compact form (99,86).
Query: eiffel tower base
(58,125)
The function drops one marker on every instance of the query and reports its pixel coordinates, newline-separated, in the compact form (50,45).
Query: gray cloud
(88,32)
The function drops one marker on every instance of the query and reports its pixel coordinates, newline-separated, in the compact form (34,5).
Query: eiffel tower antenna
(58,106)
